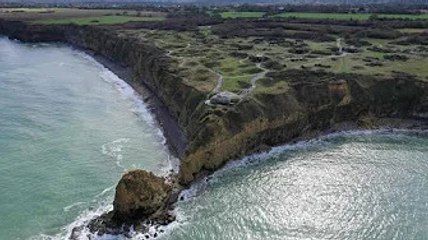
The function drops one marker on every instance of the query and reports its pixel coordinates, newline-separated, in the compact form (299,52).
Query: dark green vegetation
(241,85)
(317,15)
(351,16)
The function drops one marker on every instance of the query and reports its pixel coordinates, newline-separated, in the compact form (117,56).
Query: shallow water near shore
(69,129)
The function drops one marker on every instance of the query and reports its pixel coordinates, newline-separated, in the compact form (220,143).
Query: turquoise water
(69,128)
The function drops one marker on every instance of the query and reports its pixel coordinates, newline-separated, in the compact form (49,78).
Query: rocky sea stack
(141,195)
(142,200)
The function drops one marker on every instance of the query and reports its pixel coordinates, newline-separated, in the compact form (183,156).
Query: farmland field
(102,20)
(17,10)
(76,15)
(242,14)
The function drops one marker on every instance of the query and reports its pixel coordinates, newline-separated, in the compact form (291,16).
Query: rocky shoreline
(206,137)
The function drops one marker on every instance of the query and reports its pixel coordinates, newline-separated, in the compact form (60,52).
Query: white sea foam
(138,107)
(83,219)
(104,192)
(114,150)
(69,207)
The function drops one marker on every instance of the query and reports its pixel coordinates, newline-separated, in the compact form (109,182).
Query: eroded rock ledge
(141,200)
(311,102)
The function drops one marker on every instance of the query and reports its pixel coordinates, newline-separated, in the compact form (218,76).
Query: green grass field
(349,16)
(233,15)
(33,10)
(103,20)
(235,73)
(202,57)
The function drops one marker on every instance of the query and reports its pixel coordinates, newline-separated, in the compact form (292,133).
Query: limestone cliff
(313,102)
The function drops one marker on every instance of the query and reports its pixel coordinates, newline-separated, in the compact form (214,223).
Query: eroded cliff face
(312,102)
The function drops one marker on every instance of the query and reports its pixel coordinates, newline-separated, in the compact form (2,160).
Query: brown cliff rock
(140,195)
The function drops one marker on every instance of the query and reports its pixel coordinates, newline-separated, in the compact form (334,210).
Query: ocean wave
(81,220)
(139,107)
(71,206)
(99,205)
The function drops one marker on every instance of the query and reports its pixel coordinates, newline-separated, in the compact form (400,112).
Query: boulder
(141,195)
(225,98)
(351,49)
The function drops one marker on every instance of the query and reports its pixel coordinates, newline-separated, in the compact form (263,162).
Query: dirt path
(245,92)
(220,82)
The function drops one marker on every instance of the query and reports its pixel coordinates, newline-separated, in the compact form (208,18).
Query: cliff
(311,102)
